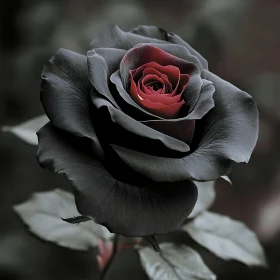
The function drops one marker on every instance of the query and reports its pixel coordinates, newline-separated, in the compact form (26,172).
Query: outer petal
(129,209)
(173,38)
(120,129)
(160,34)
(111,36)
(205,101)
(102,63)
(182,129)
(229,133)
(65,95)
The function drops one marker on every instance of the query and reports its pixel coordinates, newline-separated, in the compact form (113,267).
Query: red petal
(164,77)
(172,72)
(159,109)
(151,78)
(165,99)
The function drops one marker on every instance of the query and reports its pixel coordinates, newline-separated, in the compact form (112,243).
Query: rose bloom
(135,122)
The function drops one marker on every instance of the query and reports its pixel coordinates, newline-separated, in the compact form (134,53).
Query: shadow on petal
(138,209)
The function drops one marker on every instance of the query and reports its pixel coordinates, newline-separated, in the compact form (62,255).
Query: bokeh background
(241,41)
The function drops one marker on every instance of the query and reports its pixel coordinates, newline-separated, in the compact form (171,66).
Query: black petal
(65,95)
(102,63)
(161,34)
(230,132)
(158,33)
(150,31)
(120,129)
(173,38)
(127,209)
(111,36)
(205,101)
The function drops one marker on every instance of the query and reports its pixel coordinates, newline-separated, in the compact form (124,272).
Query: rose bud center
(158,89)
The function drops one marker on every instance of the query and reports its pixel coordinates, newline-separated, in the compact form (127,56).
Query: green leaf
(226,238)
(27,131)
(174,263)
(206,197)
(42,214)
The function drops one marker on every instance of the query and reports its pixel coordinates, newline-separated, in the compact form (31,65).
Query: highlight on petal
(124,208)
(65,95)
(129,106)
(102,63)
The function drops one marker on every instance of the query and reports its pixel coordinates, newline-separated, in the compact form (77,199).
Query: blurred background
(241,41)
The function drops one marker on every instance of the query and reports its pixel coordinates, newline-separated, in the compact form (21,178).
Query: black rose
(135,121)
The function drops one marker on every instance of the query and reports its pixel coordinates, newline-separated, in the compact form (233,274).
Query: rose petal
(160,34)
(129,106)
(166,99)
(127,209)
(172,73)
(150,78)
(145,53)
(165,111)
(112,36)
(164,77)
(101,64)
(205,102)
(182,129)
(120,129)
(65,95)
(230,133)
(173,38)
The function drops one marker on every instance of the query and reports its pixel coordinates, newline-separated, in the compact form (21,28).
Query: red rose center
(158,89)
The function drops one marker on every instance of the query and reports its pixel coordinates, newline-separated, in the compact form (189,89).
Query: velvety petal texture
(160,34)
(230,132)
(134,121)
(125,131)
(102,63)
(65,95)
(145,53)
(137,209)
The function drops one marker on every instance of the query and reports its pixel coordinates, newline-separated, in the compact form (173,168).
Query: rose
(135,122)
